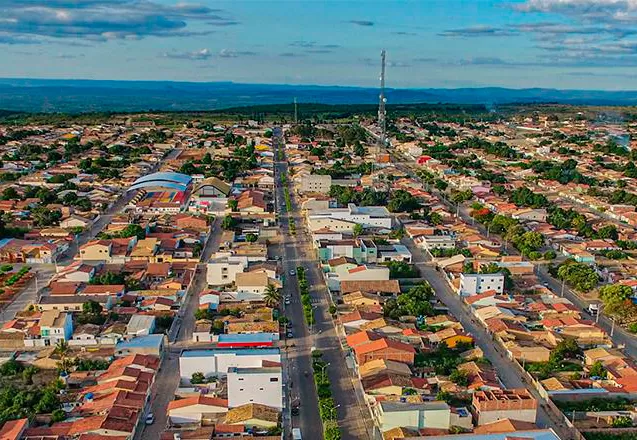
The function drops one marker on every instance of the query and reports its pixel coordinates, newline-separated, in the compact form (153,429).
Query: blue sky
(571,44)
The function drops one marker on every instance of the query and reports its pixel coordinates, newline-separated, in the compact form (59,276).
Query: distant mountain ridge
(74,96)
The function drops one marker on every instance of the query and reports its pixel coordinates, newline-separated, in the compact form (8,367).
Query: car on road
(287,301)
(292,273)
(290,334)
(150,419)
(295,410)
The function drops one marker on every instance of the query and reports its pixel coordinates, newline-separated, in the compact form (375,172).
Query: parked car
(295,410)
(292,273)
(150,419)
(290,335)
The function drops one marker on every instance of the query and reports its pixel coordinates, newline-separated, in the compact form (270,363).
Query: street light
(323,369)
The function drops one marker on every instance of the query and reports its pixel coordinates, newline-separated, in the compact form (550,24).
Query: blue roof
(158,184)
(4,241)
(147,341)
(170,180)
(237,351)
(256,337)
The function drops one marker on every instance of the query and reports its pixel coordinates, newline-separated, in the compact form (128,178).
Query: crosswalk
(296,300)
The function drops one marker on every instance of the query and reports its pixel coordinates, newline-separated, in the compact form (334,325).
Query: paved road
(29,295)
(167,379)
(297,361)
(353,416)
(506,370)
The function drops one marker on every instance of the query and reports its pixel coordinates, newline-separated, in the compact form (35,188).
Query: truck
(593,309)
(296,434)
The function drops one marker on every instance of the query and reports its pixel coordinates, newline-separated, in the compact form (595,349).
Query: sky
(566,44)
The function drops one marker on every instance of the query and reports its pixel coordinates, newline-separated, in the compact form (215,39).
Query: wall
(218,365)
(264,387)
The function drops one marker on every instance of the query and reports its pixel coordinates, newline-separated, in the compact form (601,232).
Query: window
(274,379)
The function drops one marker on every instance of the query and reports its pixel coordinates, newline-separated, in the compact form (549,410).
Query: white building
(216,362)
(255,385)
(367,216)
(476,283)
(223,271)
(140,325)
(436,241)
(315,183)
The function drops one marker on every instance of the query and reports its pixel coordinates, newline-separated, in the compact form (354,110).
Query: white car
(150,419)
(292,273)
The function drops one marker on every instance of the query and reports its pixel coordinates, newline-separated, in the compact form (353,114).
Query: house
(369,346)
(376,287)
(185,221)
(473,284)
(56,326)
(429,242)
(140,325)
(72,303)
(216,362)
(85,335)
(196,410)
(75,221)
(417,416)
(253,416)
(383,366)
(262,385)
(146,344)
(14,429)
(493,405)
(222,272)
(255,282)
(315,183)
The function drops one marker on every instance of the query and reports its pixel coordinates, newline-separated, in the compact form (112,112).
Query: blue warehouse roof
(176,181)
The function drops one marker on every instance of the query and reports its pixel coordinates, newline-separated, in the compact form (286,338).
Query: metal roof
(169,180)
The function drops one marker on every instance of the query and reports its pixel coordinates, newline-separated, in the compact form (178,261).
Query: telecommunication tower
(296,113)
(382,124)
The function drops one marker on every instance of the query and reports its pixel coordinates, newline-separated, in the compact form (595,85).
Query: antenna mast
(296,113)
(382,140)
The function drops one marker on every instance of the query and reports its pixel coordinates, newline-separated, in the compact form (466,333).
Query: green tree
(459,377)
(272,296)
(228,222)
(10,193)
(358,229)
(197,378)
(233,204)
(251,238)
(597,370)
(615,292)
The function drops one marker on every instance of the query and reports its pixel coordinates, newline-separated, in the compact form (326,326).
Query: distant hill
(73,96)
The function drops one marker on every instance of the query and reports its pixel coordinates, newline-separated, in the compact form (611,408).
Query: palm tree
(62,349)
(272,296)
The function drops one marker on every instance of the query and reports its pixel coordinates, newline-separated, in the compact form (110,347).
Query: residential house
(416,416)
(196,410)
(473,284)
(493,405)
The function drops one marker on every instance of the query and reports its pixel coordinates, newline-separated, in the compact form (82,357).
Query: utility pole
(382,123)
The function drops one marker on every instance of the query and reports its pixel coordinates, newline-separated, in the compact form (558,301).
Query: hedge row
(306,299)
(327,407)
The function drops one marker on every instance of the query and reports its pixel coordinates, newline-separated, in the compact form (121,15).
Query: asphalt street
(353,416)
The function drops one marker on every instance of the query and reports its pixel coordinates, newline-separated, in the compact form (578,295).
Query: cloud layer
(101,20)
